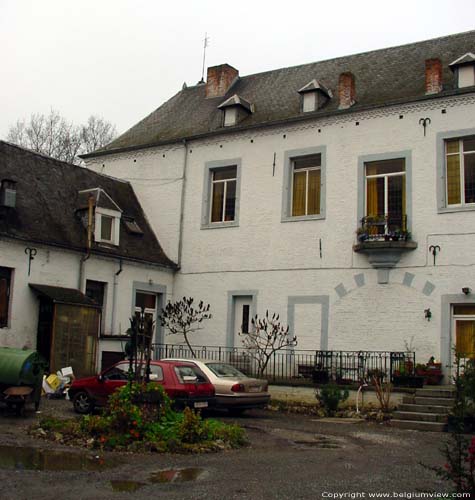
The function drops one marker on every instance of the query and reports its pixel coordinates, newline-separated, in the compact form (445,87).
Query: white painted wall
(58,267)
(282,259)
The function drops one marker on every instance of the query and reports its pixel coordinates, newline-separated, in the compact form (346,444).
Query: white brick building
(310,151)
(72,301)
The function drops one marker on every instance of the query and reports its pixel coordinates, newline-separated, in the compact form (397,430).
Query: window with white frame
(146,303)
(460,171)
(223,194)
(306,185)
(386,195)
(107,226)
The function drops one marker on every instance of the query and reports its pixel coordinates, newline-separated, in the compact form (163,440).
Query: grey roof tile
(48,199)
(382,76)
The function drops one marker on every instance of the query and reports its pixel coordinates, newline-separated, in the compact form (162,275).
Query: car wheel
(83,403)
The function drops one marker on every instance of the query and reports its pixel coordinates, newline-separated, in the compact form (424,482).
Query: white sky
(121,59)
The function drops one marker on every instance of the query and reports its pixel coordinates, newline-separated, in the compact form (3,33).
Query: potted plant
(361,234)
(403,376)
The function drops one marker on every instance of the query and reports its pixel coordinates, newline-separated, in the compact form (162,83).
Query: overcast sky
(120,59)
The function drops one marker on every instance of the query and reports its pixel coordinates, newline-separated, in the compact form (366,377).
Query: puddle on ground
(310,439)
(126,485)
(29,458)
(178,475)
(320,443)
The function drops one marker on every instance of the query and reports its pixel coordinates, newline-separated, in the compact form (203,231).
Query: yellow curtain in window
(313,192)
(217,206)
(465,338)
(453,180)
(372,197)
(298,198)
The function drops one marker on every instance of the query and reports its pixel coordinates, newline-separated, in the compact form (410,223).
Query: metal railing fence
(292,365)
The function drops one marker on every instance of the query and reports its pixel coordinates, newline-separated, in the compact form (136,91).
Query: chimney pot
(219,79)
(433,76)
(346,90)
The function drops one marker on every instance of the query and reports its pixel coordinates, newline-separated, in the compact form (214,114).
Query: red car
(184,383)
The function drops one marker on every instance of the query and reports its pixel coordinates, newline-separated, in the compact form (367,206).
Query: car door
(109,381)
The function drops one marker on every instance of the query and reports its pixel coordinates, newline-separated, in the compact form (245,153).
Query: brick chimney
(219,79)
(346,90)
(433,76)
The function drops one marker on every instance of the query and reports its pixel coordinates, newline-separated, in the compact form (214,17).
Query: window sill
(449,210)
(219,225)
(298,218)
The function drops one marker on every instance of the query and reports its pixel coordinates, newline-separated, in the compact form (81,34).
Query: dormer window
(235,109)
(107,228)
(314,96)
(100,212)
(8,193)
(464,69)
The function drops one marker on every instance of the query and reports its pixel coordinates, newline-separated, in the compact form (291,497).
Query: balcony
(384,238)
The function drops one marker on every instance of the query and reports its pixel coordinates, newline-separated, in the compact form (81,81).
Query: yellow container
(53,381)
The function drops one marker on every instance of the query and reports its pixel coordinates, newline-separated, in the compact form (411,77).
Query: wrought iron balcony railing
(383,227)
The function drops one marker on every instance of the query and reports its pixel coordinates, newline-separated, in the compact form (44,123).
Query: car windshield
(223,370)
(188,372)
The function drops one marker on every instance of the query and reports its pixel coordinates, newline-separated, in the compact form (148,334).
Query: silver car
(235,391)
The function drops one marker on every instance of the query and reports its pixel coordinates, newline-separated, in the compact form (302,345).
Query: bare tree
(96,133)
(182,318)
(54,136)
(267,337)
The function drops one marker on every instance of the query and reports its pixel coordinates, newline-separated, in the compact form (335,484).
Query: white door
(242,318)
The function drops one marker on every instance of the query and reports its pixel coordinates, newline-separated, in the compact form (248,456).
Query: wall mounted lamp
(466,290)
(427,314)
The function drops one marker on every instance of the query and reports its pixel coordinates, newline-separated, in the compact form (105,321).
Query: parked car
(235,391)
(184,383)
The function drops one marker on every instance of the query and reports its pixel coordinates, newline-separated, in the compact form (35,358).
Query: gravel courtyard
(290,456)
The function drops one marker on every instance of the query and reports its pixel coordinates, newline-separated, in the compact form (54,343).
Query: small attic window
(309,102)
(107,226)
(230,117)
(314,96)
(132,227)
(464,69)
(235,109)
(8,193)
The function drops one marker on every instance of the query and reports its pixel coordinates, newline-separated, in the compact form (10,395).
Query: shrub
(131,421)
(330,396)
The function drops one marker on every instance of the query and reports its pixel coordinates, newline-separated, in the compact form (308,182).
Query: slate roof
(382,77)
(47,203)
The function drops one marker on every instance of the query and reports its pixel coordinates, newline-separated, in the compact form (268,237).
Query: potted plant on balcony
(361,234)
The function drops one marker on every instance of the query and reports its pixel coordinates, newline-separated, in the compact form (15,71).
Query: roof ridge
(60,162)
(420,42)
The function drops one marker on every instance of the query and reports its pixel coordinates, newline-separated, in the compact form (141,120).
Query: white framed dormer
(107,226)
(106,218)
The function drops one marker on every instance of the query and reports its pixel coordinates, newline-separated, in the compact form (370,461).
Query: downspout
(114,297)
(182,204)
(90,214)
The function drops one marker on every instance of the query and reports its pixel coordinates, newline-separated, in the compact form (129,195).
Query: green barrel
(21,367)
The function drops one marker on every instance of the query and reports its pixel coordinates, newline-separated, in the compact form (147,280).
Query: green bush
(131,421)
(330,396)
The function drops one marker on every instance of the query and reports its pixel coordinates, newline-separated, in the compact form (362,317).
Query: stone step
(442,410)
(419,416)
(427,401)
(419,426)
(435,393)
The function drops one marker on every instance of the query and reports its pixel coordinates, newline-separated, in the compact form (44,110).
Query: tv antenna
(205,45)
